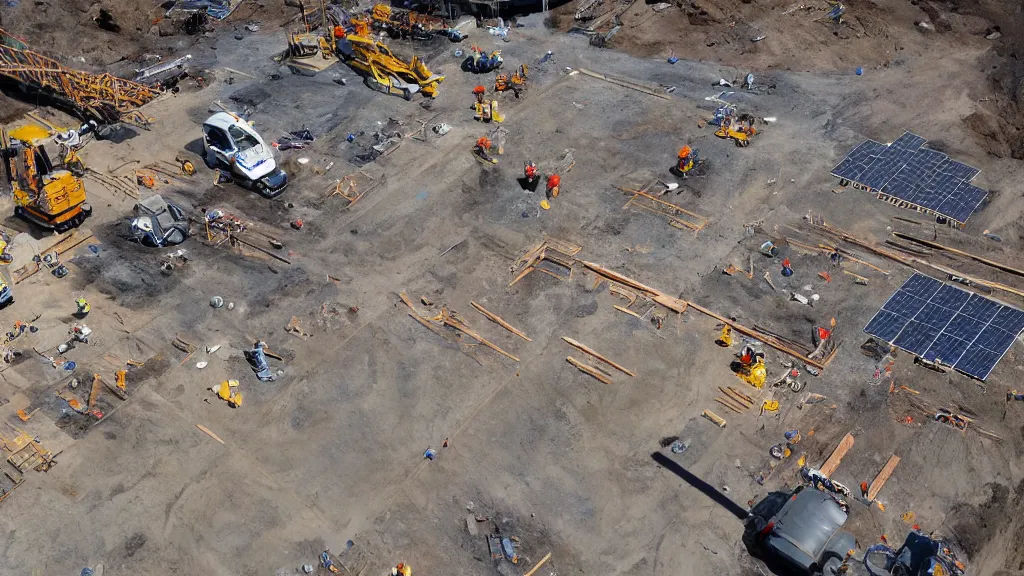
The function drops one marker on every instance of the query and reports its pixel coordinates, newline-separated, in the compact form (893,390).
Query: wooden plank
(586,369)
(583,348)
(497,320)
(94,393)
(833,461)
(883,476)
(539,564)
(714,418)
(208,433)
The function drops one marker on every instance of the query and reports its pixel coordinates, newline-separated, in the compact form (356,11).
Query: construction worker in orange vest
(553,181)
(531,177)
(688,159)
(483,146)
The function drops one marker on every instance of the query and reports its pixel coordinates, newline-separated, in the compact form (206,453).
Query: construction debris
(677,216)
(105,98)
(551,256)
(294,327)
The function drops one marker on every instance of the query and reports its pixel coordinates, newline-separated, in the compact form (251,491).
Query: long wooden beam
(538,565)
(833,461)
(623,83)
(910,261)
(974,257)
(497,320)
(883,476)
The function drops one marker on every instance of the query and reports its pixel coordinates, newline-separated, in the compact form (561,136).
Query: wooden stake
(586,350)
(588,370)
(494,318)
(883,476)
(208,433)
(833,461)
(538,565)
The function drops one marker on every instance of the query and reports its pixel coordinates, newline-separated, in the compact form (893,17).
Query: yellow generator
(46,195)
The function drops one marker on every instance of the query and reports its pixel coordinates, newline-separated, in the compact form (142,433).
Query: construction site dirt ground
(332,451)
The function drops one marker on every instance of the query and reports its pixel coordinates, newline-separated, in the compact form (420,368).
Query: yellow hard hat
(545,204)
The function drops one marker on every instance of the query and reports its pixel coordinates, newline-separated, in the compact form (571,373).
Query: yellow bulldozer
(382,70)
(46,194)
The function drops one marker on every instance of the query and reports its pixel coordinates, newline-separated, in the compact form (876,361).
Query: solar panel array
(947,325)
(920,176)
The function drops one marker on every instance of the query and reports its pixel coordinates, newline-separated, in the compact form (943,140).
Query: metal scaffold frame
(101,97)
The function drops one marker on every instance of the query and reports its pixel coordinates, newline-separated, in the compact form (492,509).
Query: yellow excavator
(380,68)
(48,195)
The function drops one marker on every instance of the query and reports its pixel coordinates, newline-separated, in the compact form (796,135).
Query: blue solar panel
(886,325)
(980,308)
(946,349)
(921,286)
(857,161)
(908,141)
(917,336)
(978,362)
(945,324)
(964,327)
(919,176)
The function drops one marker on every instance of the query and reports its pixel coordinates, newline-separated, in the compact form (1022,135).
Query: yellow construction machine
(399,23)
(49,195)
(740,129)
(382,70)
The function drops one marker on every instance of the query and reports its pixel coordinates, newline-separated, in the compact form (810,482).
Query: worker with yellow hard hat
(82,307)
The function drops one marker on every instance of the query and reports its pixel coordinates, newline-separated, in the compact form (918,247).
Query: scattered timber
(586,350)
(590,370)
